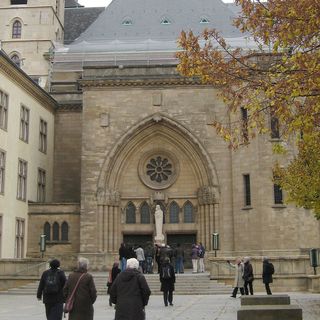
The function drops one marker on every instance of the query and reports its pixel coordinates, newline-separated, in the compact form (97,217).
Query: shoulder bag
(68,306)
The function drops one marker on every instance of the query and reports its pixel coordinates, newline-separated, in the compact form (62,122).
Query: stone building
(131,133)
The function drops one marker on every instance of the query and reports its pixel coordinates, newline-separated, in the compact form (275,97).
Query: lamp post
(314,259)
(215,243)
(42,244)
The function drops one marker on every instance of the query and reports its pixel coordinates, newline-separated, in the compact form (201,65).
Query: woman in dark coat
(112,277)
(85,295)
(267,273)
(167,279)
(130,293)
(247,275)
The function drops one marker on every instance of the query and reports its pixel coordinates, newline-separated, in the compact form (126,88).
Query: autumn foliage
(279,80)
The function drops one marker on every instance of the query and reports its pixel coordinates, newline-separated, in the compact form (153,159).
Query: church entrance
(186,241)
(137,239)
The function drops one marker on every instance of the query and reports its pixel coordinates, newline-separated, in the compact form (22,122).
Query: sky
(104,3)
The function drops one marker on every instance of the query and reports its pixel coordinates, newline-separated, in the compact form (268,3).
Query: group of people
(197,257)
(128,288)
(54,289)
(244,277)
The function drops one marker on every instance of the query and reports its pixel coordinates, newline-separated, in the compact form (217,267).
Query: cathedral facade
(131,133)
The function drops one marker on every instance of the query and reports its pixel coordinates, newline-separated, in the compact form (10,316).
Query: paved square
(200,307)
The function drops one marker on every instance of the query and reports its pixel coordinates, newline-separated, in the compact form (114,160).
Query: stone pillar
(208,215)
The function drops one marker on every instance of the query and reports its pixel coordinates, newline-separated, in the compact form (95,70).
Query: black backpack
(52,284)
(271,268)
(166,272)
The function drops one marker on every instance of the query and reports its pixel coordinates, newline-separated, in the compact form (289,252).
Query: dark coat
(248,272)
(85,295)
(51,299)
(267,272)
(113,274)
(130,292)
(167,284)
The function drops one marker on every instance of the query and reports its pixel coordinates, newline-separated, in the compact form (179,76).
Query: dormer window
(165,20)
(204,20)
(16,59)
(127,22)
(13,2)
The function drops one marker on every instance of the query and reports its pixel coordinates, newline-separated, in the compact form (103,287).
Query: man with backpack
(167,279)
(267,272)
(50,289)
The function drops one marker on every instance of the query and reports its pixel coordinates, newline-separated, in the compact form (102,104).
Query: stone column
(208,215)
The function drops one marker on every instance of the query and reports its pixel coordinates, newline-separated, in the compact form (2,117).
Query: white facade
(21,91)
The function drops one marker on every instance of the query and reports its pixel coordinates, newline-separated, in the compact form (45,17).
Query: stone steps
(186,284)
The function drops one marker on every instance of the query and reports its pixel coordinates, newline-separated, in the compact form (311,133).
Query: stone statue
(158,214)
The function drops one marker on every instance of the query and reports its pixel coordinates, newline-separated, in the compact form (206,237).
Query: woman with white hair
(130,293)
(238,278)
(85,293)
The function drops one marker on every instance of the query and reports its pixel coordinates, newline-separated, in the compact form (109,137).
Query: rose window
(159,169)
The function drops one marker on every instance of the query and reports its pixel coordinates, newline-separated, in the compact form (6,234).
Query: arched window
(55,231)
(145,213)
(165,20)
(15,58)
(130,213)
(47,231)
(174,212)
(188,214)
(64,231)
(16,29)
(127,21)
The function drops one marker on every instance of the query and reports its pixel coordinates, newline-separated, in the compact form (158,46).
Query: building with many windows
(26,153)
(130,133)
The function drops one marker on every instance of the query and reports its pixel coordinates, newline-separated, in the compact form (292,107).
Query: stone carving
(108,197)
(206,195)
(158,214)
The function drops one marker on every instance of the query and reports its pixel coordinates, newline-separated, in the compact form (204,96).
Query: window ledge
(279,206)
(55,242)
(247,208)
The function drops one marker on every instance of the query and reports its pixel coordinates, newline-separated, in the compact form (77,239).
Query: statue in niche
(158,214)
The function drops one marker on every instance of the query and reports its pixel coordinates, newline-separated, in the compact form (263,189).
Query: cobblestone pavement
(213,307)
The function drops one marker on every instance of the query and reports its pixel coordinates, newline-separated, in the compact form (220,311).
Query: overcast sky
(104,3)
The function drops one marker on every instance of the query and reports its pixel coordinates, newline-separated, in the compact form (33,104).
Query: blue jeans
(149,264)
(123,264)
(179,264)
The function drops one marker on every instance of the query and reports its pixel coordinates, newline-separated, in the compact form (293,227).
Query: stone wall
(66,251)
(67,156)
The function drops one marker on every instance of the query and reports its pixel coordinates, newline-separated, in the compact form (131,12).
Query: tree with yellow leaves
(279,80)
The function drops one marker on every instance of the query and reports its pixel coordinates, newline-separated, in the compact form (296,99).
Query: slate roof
(72,4)
(146,17)
(77,20)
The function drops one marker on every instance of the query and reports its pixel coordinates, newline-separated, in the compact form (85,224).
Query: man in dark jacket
(267,272)
(130,292)
(167,279)
(50,288)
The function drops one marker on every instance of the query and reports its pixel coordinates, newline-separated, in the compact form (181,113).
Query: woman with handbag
(81,289)
(248,276)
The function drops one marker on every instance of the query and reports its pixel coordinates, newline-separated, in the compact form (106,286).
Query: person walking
(113,273)
(149,255)
(194,258)
(50,289)
(201,253)
(123,256)
(141,258)
(85,294)
(238,279)
(130,293)
(167,279)
(267,272)
(179,257)
(248,276)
